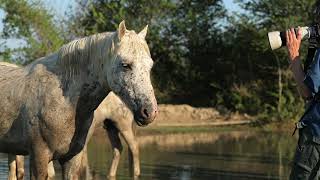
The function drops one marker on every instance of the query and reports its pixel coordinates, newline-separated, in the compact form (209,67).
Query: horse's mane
(78,56)
(74,56)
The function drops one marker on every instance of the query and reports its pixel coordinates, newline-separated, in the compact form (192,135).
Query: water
(198,156)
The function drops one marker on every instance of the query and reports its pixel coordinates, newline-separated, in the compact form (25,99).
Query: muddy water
(198,156)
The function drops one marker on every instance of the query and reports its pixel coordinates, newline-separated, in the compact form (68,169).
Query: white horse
(46,108)
(117,120)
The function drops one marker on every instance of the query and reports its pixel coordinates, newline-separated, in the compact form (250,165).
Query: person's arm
(293,45)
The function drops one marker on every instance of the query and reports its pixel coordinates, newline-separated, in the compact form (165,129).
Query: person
(307,157)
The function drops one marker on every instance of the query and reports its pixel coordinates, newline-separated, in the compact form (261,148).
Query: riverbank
(186,119)
(188,116)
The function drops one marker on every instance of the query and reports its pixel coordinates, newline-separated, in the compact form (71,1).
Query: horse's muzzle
(146,115)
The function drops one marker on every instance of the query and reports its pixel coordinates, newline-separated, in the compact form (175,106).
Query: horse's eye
(126,66)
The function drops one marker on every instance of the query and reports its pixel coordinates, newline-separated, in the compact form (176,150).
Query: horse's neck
(90,96)
(79,68)
(81,63)
(75,87)
(84,93)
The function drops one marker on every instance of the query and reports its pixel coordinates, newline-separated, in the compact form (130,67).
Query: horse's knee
(20,173)
(135,150)
(20,167)
(117,152)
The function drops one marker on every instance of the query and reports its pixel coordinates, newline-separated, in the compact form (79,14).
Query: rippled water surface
(197,156)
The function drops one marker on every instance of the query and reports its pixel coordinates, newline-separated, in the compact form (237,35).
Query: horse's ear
(122,30)
(143,33)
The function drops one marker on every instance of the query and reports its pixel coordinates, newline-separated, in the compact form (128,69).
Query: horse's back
(9,72)
(8,64)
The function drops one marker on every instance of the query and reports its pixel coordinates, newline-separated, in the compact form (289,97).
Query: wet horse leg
(133,150)
(12,167)
(39,167)
(70,169)
(77,167)
(39,160)
(20,167)
(84,171)
(113,134)
(16,168)
(51,172)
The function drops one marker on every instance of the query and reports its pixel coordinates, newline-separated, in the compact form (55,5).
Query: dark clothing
(311,119)
(312,116)
(312,79)
(307,158)
(306,161)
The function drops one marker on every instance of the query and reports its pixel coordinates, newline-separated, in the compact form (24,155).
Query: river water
(197,156)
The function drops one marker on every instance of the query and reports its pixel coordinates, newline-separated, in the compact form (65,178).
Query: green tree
(179,35)
(32,23)
(270,79)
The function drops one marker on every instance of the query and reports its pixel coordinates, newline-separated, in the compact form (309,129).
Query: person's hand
(293,43)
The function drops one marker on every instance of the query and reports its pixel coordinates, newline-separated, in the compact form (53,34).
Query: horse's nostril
(148,114)
(145,113)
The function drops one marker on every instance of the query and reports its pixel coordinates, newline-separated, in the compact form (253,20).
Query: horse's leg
(113,134)
(70,169)
(39,160)
(77,167)
(134,151)
(20,167)
(12,167)
(84,171)
(51,171)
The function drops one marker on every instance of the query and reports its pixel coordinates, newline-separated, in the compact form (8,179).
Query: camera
(277,39)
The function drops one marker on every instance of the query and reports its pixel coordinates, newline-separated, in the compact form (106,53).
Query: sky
(60,7)
(231,6)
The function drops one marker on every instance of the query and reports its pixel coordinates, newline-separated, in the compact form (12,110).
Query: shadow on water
(198,156)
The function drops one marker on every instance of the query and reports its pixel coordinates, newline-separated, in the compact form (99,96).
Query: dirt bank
(174,117)
(186,115)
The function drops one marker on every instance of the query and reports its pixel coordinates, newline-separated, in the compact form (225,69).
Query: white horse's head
(128,74)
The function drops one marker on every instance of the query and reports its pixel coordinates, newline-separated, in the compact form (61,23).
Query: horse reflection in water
(47,108)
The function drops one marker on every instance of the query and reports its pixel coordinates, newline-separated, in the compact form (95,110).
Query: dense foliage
(204,55)
(34,25)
